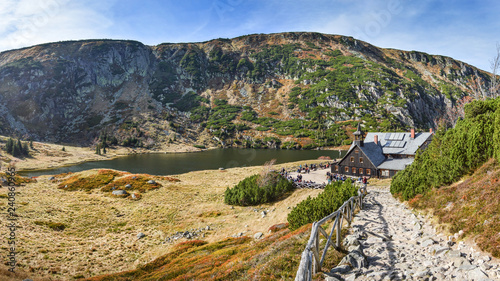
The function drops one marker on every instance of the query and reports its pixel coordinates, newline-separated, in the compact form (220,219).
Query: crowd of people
(304,169)
(307,168)
(336,177)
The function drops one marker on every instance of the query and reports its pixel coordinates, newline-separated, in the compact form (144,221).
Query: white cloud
(30,22)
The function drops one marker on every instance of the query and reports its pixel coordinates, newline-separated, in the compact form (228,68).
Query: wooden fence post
(339,226)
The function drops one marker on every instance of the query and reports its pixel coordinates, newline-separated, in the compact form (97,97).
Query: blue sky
(464,30)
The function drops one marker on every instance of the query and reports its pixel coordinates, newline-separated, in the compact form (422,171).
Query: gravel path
(399,245)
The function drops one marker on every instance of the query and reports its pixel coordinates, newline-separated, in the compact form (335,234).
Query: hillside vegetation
(286,90)
(455,152)
(457,178)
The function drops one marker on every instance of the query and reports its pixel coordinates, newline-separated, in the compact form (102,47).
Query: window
(368,171)
(360,171)
(352,159)
(360,159)
(385,173)
(353,170)
(356,151)
(336,168)
(347,169)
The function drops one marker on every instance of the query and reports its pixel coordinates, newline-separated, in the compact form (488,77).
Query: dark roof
(372,151)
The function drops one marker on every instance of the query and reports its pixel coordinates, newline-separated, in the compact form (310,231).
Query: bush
(250,192)
(332,198)
(454,153)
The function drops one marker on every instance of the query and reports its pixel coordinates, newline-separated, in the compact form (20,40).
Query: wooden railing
(311,261)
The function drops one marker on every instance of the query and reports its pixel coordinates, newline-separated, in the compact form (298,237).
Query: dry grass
(471,205)
(100,234)
(275,257)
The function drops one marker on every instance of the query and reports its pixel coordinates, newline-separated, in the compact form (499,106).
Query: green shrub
(454,153)
(332,198)
(253,191)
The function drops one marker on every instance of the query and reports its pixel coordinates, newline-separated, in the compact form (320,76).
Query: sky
(467,30)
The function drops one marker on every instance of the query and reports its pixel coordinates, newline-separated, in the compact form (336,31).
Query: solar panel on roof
(395,136)
(395,144)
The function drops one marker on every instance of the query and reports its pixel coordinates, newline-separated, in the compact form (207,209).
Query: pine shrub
(253,191)
(453,153)
(327,202)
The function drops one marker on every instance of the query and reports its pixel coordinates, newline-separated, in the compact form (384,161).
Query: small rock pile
(188,234)
(263,211)
(389,242)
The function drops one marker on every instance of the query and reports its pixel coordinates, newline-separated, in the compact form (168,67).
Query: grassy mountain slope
(284,90)
(470,205)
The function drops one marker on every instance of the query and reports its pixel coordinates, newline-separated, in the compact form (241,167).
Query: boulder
(341,269)
(140,235)
(128,186)
(119,192)
(355,259)
(151,182)
(258,235)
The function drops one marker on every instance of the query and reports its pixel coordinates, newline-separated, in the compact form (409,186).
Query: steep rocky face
(278,90)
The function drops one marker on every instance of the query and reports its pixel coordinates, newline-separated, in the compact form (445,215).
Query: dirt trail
(400,245)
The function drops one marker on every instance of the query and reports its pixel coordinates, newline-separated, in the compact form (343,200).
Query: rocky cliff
(278,90)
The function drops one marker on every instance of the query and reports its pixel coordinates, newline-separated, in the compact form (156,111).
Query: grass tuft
(57,226)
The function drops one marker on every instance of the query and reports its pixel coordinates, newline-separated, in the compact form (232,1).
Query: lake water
(178,163)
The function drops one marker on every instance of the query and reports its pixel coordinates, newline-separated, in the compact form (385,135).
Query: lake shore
(48,156)
(45,156)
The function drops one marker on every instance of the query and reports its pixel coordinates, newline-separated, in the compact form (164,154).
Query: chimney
(430,131)
(375,139)
(412,133)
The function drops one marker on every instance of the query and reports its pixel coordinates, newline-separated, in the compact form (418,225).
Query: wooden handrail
(311,262)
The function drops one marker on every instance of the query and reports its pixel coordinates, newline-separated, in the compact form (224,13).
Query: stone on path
(389,242)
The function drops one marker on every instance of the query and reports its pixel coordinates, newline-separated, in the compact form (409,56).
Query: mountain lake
(179,163)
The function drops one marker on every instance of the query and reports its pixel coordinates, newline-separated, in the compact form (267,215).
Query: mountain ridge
(288,90)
